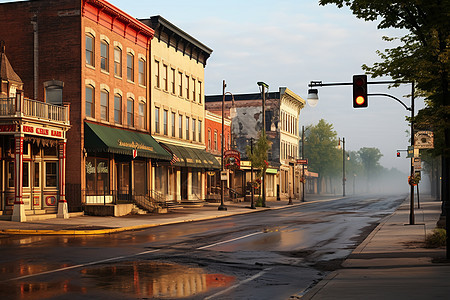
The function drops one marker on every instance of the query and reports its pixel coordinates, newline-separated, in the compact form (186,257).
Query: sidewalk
(392,262)
(79,224)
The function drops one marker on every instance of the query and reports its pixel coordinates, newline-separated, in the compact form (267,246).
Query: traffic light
(360,91)
(398,153)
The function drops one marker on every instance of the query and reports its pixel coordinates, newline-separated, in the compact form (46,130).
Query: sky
(288,43)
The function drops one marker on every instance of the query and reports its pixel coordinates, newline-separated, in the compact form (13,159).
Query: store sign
(232,159)
(43,131)
(134,145)
(8,128)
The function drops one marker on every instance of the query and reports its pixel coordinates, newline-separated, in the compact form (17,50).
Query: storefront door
(123,181)
(184,183)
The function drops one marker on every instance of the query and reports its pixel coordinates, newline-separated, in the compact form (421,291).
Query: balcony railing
(21,107)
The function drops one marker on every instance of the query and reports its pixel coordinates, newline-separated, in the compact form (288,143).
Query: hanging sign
(424,140)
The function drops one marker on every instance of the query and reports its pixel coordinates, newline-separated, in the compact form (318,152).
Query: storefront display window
(161,180)
(97,176)
(51,172)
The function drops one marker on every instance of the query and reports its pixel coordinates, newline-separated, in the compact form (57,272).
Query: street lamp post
(263,86)
(252,206)
(222,187)
(343,165)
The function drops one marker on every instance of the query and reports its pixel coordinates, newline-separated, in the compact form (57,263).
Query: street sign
(417,163)
(302,161)
(424,140)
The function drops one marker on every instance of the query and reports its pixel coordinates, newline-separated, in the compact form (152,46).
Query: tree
(259,155)
(370,158)
(320,148)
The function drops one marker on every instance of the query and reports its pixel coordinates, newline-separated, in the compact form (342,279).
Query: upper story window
(165,122)
(215,140)
(180,126)
(157,75)
(90,103)
(130,112)
(172,80)
(130,67)
(173,124)
(142,115)
(104,99)
(90,42)
(142,72)
(199,92)
(104,56)
(194,128)
(209,139)
(187,87)
(187,128)
(117,61)
(117,109)
(54,92)
(157,119)
(200,130)
(164,78)
(193,89)
(180,84)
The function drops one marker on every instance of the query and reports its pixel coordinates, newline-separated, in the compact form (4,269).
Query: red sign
(8,128)
(232,159)
(42,131)
(302,161)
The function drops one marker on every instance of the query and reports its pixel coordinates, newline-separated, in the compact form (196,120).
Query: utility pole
(263,92)
(303,165)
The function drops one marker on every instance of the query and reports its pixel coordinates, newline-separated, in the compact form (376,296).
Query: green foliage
(423,54)
(436,239)
(259,155)
(258,202)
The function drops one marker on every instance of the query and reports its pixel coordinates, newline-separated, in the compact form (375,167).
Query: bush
(436,239)
(258,202)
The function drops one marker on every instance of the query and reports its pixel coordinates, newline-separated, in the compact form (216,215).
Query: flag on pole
(175,159)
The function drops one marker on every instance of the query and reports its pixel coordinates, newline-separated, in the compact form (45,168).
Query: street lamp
(343,164)
(313,97)
(263,86)
(222,205)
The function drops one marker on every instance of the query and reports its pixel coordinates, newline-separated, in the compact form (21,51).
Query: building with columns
(32,150)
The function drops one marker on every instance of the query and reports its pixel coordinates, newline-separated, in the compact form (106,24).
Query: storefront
(33,154)
(118,164)
(187,173)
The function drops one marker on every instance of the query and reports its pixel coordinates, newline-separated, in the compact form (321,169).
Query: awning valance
(192,157)
(98,138)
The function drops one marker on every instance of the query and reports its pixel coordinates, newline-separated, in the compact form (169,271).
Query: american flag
(174,159)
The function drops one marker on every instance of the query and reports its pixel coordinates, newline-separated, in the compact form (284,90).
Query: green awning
(98,138)
(192,157)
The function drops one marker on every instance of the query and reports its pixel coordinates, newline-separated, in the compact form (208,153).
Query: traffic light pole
(321,84)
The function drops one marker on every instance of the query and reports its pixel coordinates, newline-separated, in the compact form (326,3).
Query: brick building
(101,56)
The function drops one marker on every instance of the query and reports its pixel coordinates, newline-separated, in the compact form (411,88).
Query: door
(123,181)
(36,188)
(184,183)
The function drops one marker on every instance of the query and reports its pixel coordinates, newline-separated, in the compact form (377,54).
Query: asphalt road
(268,255)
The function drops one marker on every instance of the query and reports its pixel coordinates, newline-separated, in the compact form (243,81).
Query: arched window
(130,112)
(117,109)
(90,42)
(130,67)
(104,105)
(117,61)
(104,56)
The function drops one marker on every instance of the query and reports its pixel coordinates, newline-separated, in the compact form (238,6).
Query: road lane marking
(228,241)
(81,265)
(239,284)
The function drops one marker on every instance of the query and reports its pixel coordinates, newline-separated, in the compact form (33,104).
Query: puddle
(156,279)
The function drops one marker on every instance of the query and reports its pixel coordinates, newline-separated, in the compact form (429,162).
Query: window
(165,122)
(90,41)
(142,115)
(187,128)
(51,171)
(142,72)
(180,126)
(54,92)
(118,61)
(199,92)
(209,139)
(187,87)
(200,131)
(26,174)
(104,99)
(194,128)
(90,101)
(104,56)
(130,67)
(172,80)
(193,89)
(180,84)
(157,119)
(130,112)
(157,76)
(173,124)
(215,140)
(164,75)
(36,177)
(117,109)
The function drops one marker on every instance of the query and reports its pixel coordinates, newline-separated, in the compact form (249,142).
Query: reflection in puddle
(156,279)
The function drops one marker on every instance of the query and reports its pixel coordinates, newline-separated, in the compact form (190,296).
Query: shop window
(26,174)
(104,56)
(10,175)
(90,41)
(50,151)
(130,67)
(161,180)
(97,176)
(51,172)
(36,175)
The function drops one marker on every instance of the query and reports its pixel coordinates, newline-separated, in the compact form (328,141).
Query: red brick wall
(216,126)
